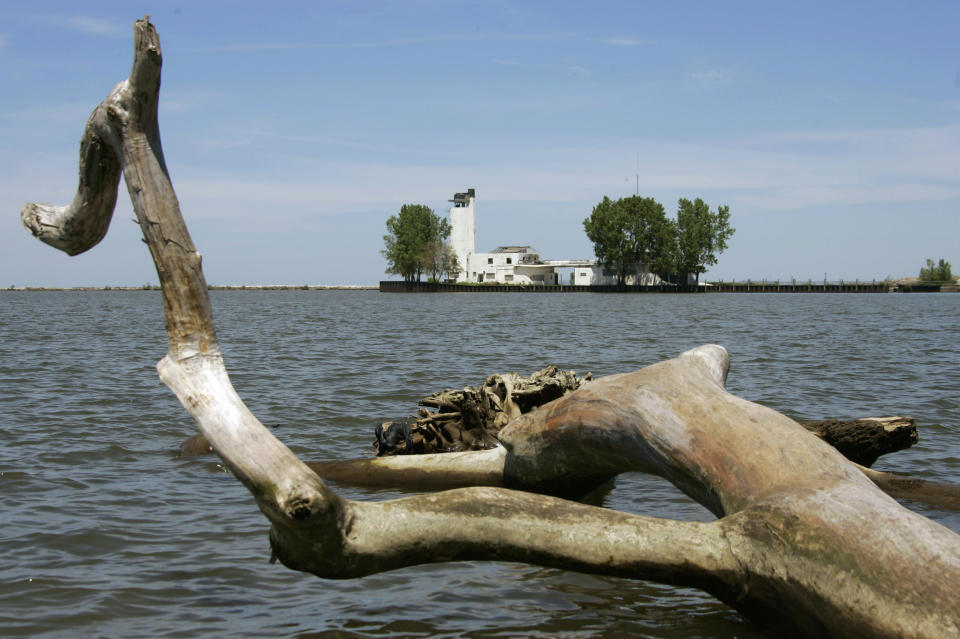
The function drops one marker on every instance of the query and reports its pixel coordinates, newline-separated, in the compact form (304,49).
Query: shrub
(940,272)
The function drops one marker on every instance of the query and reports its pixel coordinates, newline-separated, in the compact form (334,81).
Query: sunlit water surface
(105,532)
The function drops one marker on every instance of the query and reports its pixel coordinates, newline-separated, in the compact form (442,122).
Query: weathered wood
(124,127)
(802,536)
(419,472)
(503,397)
(473,417)
(940,495)
(864,440)
(860,440)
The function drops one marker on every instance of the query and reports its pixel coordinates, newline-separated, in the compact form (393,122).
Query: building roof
(464,198)
(515,249)
(559,263)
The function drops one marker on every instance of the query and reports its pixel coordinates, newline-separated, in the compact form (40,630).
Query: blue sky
(832,130)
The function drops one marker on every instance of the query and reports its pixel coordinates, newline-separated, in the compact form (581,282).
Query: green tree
(629,232)
(409,234)
(663,259)
(701,235)
(940,272)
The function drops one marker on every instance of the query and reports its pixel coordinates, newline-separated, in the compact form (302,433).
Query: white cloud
(43,115)
(89,25)
(394,42)
(575,69)
(619,41)
(183,101)
(265,140)
(830,97)
(800,169)
(784,171)
(96,26)
(712,77)
(779,172)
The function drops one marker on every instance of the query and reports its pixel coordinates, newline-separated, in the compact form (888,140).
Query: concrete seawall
(394,286)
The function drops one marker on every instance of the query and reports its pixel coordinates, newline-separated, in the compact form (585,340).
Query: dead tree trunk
(802,536)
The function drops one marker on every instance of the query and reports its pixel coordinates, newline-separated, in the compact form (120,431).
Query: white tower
(463,231)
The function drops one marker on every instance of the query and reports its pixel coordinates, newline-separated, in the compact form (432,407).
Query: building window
(489,260)
(509,260)
(508,278)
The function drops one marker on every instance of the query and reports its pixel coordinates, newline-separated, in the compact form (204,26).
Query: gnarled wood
(802,536)
(470,419)
(864,440)
(80,226)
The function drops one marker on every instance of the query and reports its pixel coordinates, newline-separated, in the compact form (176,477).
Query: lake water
(105,532)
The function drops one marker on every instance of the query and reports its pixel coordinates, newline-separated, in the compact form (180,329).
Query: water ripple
(107,533)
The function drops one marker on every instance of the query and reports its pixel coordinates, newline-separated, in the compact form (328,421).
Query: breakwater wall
(798,287)
(395,286)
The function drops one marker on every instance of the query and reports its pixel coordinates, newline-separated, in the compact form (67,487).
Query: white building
(463,231)
(518,264)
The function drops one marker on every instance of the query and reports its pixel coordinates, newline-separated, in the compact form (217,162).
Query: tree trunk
(802,536)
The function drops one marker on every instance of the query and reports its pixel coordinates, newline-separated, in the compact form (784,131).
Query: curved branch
(80,226)
(674,419)
(126,125)
(508,525)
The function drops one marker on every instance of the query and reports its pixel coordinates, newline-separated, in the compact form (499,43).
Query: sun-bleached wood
(802,536)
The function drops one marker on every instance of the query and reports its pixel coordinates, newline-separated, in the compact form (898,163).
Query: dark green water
(104,532)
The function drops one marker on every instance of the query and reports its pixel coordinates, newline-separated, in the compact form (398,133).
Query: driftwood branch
(802,535)
(471,419)
(864,440)
(940,495)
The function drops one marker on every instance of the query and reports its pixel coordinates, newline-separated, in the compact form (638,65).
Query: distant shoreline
(254,287)
(397,286)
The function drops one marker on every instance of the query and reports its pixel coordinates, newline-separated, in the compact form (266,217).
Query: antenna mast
(638,174)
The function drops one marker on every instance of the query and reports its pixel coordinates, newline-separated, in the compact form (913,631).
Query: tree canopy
(629,232)
(940,272)
(635,231)
(702,234)
(411,241)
